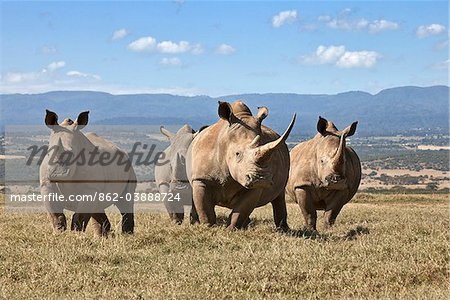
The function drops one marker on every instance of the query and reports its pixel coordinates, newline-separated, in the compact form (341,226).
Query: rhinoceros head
(66,145)
(330,153)
(179,144)
(249,160)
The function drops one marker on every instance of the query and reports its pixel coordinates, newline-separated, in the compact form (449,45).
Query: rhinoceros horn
(264,151)
(338,156)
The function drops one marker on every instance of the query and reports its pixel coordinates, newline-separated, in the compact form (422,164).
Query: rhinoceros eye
(238,155)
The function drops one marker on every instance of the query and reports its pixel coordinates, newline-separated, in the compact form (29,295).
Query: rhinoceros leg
(333,208)
(203,203)
(173,207)
(280,212)
(245,203)
(55,209)
(101,224)
(80,221)
(244,225)
(194,215)
(305,201)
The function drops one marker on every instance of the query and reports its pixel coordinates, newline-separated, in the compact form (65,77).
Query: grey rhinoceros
(170,172)
(325,173)
(240,164)
(88,168)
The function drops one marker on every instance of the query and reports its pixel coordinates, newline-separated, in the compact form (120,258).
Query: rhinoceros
(240,164)
(90,172)
(325,173)
(170,172)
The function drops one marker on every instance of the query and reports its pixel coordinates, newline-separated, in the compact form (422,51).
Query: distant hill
(402,110)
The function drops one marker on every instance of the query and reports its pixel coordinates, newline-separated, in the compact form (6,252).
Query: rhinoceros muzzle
(59,173)
(334,182)
(179,184)
(258,181)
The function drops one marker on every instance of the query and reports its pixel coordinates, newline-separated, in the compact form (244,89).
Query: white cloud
(284,17)
(344,21)
(340,57)
(142,44)
(173,61)
(48,50)
(197,49)
(83,75)
(149,44)
(324,55)
(18,77)
(171,47)
(358,59)
(324,18)
(56,65)
(442,65)
(225,49)
(119,34)
(427,30)
(382,25)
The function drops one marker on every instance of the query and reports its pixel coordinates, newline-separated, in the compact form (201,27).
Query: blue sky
(218,48)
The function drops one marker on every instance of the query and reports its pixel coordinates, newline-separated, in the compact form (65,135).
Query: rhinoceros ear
(82,120)
(322,125)
(166,132)
(226,112)
(51,119)
(263,112)
(350,130)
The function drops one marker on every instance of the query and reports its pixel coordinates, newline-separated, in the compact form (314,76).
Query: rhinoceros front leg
(173,208)
(203,203)
(244,205)
(305,201)
(80,221)
(55,209)
(101,224)
(280,212)
(333,208)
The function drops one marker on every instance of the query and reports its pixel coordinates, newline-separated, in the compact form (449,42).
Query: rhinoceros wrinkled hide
(240,164)
(325,174)
(77,176)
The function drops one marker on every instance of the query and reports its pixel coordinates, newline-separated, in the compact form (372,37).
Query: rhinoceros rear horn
(265,150)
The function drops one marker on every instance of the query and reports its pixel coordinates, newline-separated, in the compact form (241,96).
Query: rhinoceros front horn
(266,150)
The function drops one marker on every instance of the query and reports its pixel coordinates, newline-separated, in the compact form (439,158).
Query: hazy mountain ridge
(391,111)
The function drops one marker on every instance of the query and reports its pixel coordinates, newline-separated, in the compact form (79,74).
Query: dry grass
(382,246)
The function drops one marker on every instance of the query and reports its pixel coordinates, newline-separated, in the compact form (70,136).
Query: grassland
(383,246)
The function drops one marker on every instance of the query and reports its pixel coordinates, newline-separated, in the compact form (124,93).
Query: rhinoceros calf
(240,164)
(170,172)
(79,165)
(325,173)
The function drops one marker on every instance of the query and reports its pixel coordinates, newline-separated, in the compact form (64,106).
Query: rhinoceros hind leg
(280,212)
(305,201)
(101,224)
(203,203)
(80,221)
(194,216)
(59,221)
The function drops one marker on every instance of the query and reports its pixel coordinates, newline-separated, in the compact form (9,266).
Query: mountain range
(401,110)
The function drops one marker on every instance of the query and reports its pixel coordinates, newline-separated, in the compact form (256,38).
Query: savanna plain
(382,246)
